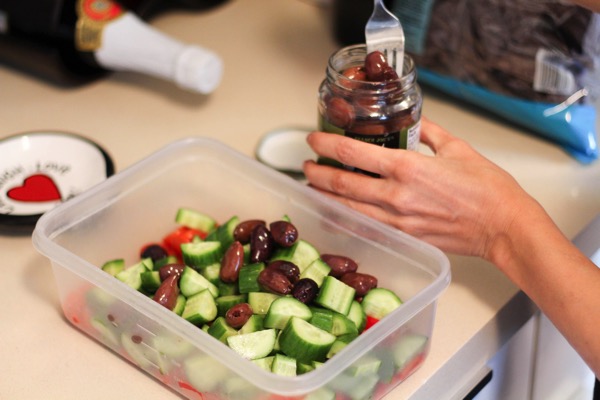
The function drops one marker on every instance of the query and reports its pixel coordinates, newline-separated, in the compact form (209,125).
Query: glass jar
(385,113)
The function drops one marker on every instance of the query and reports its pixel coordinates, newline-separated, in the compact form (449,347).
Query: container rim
(52,223)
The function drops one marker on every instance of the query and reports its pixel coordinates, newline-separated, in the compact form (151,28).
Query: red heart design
(36,188)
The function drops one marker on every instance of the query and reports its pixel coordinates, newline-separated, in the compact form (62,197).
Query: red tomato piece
(187,386)
(370,322)
(411,367)
(173,241)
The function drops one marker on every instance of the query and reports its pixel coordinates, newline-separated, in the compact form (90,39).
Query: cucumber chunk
(368,365)
(150,281)
(317,271)
(144,355)
(221,330)
(192,282)
(254,323)
(336,347)
(164,261)
(227,289)
(282,309)
(253,345)
(224,303)
(195,219)
(305,342)
(301,253)
(265,362)
(358,316)
(107,332)
(211,272)
(343,325)
(321,394)
(204,372)
(248,277)
(261,301)
(303,368)
(132,275)
(322,318)
(335,295)
(172,346)
(201,254)
(113,267)
(379,302)
(224,233)
(283,365)
(179,304)
(200,308)
(407,348)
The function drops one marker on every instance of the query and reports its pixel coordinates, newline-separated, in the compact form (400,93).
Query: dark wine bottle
(150,8)
(71,42)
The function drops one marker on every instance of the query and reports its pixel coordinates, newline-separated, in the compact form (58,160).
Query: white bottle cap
(129,44)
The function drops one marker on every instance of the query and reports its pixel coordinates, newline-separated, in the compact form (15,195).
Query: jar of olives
(362,97)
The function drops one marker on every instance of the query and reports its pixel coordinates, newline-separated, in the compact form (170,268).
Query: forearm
(561,280)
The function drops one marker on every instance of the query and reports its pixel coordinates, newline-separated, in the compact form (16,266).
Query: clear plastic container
(137,206)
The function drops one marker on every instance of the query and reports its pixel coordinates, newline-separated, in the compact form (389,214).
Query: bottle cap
(198,69)
(285,150)
(42,169)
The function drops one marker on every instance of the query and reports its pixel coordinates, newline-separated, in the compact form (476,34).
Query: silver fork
(384,33)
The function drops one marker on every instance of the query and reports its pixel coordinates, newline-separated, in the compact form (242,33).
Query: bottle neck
(129,44)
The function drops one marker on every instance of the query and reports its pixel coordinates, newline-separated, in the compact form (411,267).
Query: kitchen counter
(274,55)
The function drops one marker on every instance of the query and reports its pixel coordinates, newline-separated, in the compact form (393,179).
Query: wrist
(517,239)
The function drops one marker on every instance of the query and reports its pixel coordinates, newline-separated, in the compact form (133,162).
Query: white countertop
(274,56)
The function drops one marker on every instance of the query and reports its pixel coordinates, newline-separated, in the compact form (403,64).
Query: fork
(384,33)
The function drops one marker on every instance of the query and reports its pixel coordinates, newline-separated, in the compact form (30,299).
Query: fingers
(350,185)
(433,135)
(361,155)
(371,210)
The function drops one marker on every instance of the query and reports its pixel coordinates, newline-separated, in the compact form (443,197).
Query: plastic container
(137,205)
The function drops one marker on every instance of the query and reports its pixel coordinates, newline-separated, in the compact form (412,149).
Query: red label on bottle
(101,10)
(93,16)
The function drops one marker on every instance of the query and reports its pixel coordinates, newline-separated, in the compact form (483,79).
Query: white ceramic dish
(39,170)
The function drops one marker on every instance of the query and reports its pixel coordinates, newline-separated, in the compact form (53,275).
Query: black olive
(154,251)
(305,290)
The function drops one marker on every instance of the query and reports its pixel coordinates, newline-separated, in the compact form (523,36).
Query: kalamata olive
(375,65)
(340,113)
(305,290)
(284,233)
(232,261)
(137,339)
(153,251)
(340,265)
(401,120)
(356,73)
(370,128)
(167,292)
(274,281)
(361,283)
(389,74)
(261,244)
(244,229)
(287,268)
(238,315)
(170,269)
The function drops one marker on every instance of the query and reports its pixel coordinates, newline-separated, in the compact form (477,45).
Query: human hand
(455,199)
